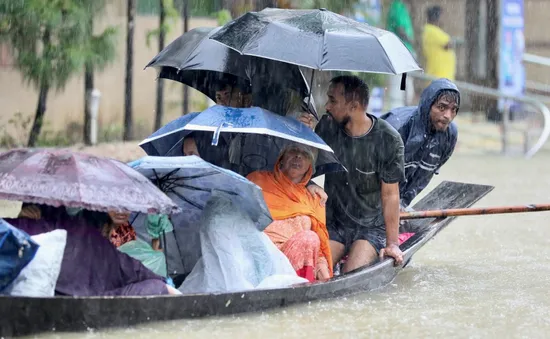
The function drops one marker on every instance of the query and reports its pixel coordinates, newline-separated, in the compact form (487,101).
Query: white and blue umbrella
(189,182)
(220,120)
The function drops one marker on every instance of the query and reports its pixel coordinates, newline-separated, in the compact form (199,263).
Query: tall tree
(130,23)
(46,38)
(185,93)
(100,52)
(160,83)
(167,13)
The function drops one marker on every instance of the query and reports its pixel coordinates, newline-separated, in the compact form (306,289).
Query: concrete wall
(66,107)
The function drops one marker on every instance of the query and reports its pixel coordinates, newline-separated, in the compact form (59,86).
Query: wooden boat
(23,316)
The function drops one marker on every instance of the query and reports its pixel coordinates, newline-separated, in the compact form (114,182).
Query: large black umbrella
(199,62)
(317,39)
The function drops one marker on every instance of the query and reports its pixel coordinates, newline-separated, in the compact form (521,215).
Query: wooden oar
(473,211)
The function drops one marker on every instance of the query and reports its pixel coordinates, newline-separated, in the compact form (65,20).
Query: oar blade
(447,195)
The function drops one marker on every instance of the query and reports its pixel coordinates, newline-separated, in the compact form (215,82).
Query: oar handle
(473,211)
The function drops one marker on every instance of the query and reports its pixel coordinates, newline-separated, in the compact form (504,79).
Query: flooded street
(481,277)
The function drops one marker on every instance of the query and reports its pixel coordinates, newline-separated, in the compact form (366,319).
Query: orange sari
(287,200)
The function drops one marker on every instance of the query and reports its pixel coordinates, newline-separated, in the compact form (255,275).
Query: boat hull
(23,316)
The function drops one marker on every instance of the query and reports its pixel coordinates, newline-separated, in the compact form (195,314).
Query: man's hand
(392,250)
(317,190)
(307,119)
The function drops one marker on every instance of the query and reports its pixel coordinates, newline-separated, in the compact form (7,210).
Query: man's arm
(390,209)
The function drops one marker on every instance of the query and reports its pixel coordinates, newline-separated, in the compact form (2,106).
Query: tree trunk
(88,88)
(493,18)
(160,83)
(472,35)
(185,96)
(128,123)
(492,48)
(39,116)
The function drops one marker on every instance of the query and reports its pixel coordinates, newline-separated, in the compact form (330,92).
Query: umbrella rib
(187,200)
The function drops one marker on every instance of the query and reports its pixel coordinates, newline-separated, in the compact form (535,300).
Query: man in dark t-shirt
(363,203)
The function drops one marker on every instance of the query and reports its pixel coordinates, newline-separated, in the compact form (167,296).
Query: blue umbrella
(168,139)
(190,181)
(224,120)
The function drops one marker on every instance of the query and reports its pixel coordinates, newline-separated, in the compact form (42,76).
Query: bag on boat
(16,251)
(39,277)
(236,256)
(142,251)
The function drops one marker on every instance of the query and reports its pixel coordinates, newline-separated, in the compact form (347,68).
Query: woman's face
(295,164)
(190,147)
(119,218)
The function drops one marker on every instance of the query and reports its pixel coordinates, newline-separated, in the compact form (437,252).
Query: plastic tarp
(142,251)
(236,256)
(16,251)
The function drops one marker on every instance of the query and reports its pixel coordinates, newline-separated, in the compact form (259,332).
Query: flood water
(484,276)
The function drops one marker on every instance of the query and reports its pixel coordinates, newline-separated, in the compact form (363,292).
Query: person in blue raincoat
(429,135)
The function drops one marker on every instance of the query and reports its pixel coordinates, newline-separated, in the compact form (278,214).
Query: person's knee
(362,253)
(337,250)
(312,238)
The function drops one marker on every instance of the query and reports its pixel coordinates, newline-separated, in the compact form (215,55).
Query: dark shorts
(376,236)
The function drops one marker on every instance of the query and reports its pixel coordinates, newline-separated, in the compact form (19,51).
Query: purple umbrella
(64,178)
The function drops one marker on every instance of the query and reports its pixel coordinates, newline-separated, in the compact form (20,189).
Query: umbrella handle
(216,136)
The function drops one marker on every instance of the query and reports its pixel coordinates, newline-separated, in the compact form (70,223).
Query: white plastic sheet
(236,256)
(39,277)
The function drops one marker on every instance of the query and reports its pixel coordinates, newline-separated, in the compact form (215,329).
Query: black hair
(433,13)
(451,95)
(234,82)
(355,89)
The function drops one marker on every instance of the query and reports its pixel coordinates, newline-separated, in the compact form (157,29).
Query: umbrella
(190,181)
(197,61)
(280,131)
(65,178)
(317,39)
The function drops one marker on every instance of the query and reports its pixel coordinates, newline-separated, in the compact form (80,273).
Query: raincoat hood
(430,94)
(425,149)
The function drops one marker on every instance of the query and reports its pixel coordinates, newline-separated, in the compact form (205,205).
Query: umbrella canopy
(65,178)
(199,62)
(277,130)
(190,181)
(317,39)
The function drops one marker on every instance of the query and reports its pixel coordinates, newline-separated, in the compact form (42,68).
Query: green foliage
(14,132)
(223,17)
(172,15)
(46,37)
(100,50)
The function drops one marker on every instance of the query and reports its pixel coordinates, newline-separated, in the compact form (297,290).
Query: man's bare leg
(361,253)
(337,250)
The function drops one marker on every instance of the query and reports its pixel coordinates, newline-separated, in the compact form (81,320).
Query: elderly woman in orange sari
(299,226)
